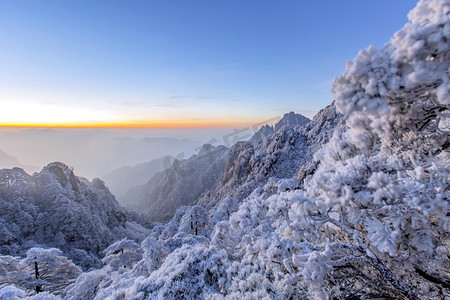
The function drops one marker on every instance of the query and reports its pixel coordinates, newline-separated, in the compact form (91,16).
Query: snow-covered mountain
(290,119)
(366,217)
(217,172)
(181,184)
(54,208)
(280,155)
(122,179)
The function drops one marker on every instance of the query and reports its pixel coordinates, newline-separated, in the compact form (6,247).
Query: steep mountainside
(281,155)
(366,218)
(179,185)
(213,174)
(54,208)
(122,179)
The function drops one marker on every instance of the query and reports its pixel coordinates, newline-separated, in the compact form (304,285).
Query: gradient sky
(180,63)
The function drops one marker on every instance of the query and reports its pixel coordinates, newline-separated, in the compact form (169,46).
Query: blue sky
(180,62)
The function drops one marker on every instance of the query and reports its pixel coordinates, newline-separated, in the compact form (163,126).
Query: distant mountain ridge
(179,185)
(8,162)
(92,153)
(216,172)
(123,178)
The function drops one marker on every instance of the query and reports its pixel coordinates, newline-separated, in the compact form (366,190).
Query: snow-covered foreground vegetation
(366,218)
(54,208)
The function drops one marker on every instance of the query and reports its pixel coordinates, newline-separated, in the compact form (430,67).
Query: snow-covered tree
(54,208)
(122,254)
(14,272)
(195,221)
(87,285)
(376,208)
(52,271)
(10,292)
(43,270)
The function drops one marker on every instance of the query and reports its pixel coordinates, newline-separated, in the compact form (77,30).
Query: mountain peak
(63,173)
(291,119)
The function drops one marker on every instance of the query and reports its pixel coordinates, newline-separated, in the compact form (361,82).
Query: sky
(179,64)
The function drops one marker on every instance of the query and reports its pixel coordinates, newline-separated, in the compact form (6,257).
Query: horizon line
(133,125)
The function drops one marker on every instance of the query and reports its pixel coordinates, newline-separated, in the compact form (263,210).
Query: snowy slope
(290,119)
(216,172)
(54,208)
(368,221)
(280,155)
(179,185)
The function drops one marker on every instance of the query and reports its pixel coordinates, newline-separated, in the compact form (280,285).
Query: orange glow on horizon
(175,124)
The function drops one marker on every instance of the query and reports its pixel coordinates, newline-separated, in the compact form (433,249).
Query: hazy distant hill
(8,162)
(91,152)
(181,184)
(121,179)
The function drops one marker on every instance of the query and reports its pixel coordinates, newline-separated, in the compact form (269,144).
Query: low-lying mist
(97,152)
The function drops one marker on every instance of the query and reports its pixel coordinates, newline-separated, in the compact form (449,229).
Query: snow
(54,208)
(181,184)
(353,203)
